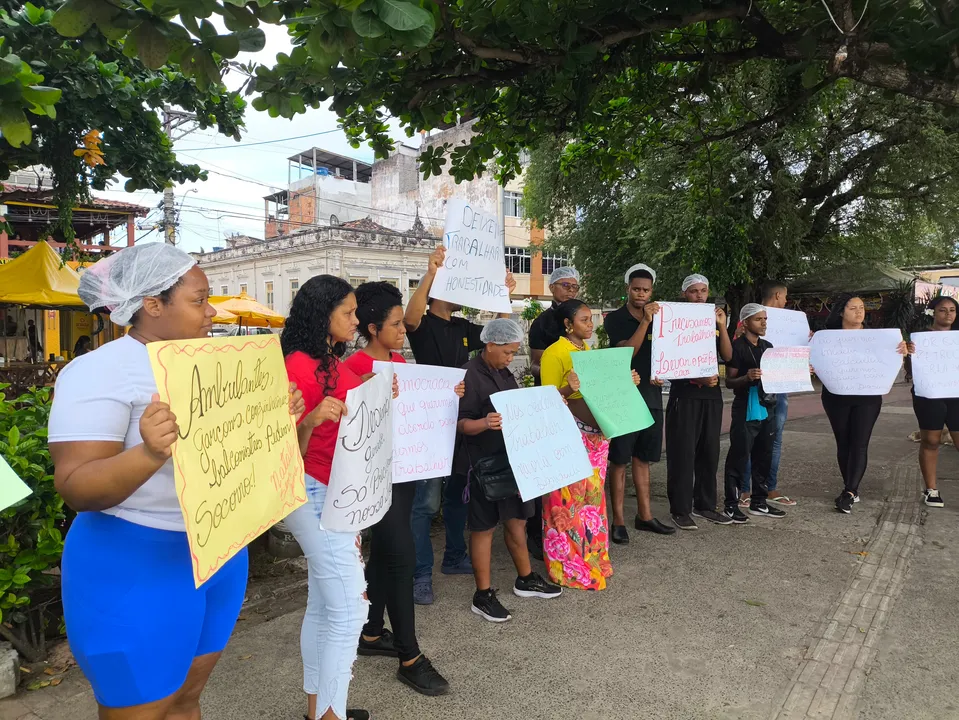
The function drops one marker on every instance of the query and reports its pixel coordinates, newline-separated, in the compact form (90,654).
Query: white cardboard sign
(856,362)
(424,419)
(684,341)
(786,370)
(935,366)
(544,445)
(474,273)
(786,328)
(361,476)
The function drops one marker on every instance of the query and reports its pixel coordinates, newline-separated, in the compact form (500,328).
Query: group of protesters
(126,559)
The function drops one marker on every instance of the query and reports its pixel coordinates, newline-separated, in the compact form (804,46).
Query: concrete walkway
(814,615)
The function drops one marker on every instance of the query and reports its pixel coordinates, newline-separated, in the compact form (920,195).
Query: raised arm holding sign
(473,272)
(236,460)
(684,341)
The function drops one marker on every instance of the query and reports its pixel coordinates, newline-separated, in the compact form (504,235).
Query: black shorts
(645,445)
(933,414)
(485,514)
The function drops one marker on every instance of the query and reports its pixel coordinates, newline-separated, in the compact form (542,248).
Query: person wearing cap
(694,417)
(145,637)
(630,326)
(481,436)
(752,430)
(438,338)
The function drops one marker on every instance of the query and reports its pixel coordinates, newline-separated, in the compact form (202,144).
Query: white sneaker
(932,498)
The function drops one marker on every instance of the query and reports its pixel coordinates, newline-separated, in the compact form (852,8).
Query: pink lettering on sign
(684,341)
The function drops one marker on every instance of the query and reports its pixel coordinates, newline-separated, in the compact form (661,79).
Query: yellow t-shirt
(556,363)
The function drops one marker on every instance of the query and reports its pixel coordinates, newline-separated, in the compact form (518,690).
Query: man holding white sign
(686,345)
(473,270)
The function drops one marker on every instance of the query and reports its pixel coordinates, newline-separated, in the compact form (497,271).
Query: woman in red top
(389,572)
(322,320)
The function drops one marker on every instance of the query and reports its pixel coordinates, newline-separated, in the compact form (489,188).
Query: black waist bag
(495,477)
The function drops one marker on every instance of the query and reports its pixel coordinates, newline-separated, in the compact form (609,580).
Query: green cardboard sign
(607,386)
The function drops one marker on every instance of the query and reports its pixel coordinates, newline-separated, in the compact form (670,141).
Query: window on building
(269,294)
(392,281)
(513,204)
(242,287)
(294,288)
(414,283)
(224,290)
(551,262)
(357,281)
(518,260)
(334,220)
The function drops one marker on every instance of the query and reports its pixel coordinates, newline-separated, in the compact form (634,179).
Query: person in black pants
(753,426)
(694,417)
(852,417)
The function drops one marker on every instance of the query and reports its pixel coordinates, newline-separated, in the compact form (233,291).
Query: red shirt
(302,370)
(362,364)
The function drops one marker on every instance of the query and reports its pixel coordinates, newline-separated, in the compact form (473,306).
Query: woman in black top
(934,414)
(852,417)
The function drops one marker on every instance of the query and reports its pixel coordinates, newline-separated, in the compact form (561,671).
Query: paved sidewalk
(815,615)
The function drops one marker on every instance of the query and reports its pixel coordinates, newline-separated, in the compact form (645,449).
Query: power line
(264,142)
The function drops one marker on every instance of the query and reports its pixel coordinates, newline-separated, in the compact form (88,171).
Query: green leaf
(227,45)
(72,19)
(418,38)
(33,13)
(811,75)
(153,47)
(14,126)
(252,40)
(401,15)
(13,437)
(367,24)
(41,95)
(755,603)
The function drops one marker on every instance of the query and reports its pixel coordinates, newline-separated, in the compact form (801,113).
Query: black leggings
(852,423)
(389,573)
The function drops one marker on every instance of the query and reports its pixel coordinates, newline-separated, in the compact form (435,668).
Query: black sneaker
(684,522)
(488,606)
(712,516)
(423,677)
(534,586)
(766,511)
(736,515)
(383,645)
(932,498)
(844,502)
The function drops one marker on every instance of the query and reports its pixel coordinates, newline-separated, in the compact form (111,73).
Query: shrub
(31,531)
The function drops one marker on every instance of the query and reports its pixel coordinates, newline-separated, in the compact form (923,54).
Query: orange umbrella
(225,317)
(248,311)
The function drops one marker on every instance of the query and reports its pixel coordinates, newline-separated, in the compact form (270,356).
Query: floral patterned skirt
(575,531)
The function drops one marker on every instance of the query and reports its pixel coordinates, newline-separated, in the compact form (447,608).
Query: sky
(240,173)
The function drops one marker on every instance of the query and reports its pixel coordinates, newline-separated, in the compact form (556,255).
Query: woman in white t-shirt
(144,636)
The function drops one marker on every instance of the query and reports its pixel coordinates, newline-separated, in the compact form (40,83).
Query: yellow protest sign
(237,461)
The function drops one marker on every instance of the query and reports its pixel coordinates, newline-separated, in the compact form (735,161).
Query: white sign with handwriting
(786,328)
(684,341)
(786,370)
(935,366)
(474,273)
(856,362)
(424,419)
(361,476)
(544,445)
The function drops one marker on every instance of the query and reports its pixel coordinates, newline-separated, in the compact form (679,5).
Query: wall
(312,205)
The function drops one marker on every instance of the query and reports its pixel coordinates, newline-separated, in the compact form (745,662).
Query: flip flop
(744,501)
(782,500)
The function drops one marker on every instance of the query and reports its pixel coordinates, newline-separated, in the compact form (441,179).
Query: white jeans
(335,608)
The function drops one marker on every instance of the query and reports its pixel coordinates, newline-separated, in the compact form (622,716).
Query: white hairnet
(120,282)
(694,279)
(749,310)
(640,266)
(501,331)
(561,273)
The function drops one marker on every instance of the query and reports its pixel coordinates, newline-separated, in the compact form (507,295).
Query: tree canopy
(532,69)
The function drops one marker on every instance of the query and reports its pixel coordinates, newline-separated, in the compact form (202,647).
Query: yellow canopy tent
(38,278)
(248,311)
(224,317)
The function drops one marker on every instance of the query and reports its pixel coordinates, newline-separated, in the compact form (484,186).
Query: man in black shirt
(630,327)
(753,427)
(438,338)
(694,418)
(547,328)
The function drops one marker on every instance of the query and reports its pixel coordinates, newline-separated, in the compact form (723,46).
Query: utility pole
(185,123)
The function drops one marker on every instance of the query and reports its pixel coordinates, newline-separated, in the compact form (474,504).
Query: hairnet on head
(561,273)
(694,279)
(501,331)
(120,282)
(640,266)
(749,310)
